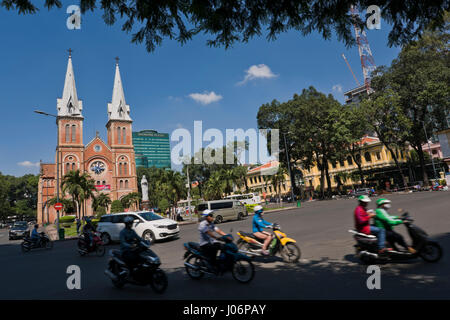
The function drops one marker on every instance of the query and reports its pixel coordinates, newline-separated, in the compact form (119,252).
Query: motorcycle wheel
(194,274)
(159,281)
(290,253)
(243,271)
(100,251)
(25,247)
(48,244)
(116,270)
(431,252)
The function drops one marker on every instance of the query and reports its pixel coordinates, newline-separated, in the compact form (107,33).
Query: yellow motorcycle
(250,245)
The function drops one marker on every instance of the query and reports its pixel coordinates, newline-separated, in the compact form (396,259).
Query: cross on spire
(117,60)
(70,52)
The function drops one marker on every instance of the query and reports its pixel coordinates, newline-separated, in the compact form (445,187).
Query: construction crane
(357,82)
(365,54)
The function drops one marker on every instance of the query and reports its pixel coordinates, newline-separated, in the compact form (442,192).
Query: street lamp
(429,148)
(57,160)
(289,166)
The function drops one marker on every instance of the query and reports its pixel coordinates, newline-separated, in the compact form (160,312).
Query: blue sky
(158,86)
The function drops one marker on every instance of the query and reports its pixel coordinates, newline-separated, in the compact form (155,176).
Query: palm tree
(214,186)
(277,179)
(72,184)
(240,173)
(101,201)
(229,178)
(88,185)
(131,198)
(175,186)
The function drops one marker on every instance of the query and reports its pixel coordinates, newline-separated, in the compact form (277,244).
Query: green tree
(277,180)
(102,201)
(214,187)
(79,186)
(229,22)
(116,206)
(131,198)
(420,76)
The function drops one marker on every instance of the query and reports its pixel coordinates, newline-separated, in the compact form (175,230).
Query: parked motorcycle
(96,246)
(230,259)
(367,249)
(280,243)
(145,273)
(43,242)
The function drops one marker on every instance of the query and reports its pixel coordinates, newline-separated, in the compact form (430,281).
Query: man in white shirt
(208,243)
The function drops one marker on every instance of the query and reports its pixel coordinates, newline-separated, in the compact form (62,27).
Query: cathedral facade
(110,164)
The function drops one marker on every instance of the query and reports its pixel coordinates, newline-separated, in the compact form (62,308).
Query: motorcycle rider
(88,231)
(385,221)
(128,237)
(208,240)
(35,237)
(258,225)
(362,222)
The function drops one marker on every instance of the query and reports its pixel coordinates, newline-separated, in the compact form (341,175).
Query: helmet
(128,221)
(207,213)
(258,209)
(364,198)
(382,201)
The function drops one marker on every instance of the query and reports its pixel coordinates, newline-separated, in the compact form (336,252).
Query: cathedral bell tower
(120,140)
(70,125)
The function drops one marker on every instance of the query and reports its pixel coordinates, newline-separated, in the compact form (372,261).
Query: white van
(224,209)
(148,225)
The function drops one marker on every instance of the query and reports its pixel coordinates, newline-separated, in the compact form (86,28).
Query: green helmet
(382,201)
(364,198)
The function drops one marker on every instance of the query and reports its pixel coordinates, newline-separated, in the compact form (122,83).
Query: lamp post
(57,160)
(289,166)
(429,148)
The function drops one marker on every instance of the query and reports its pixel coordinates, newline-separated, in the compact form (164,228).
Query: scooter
(145,273)
(230,259)
(287,248)
(96,246)
(367,249)
(43,242)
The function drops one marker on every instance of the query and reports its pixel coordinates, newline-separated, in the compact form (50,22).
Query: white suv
(147,225)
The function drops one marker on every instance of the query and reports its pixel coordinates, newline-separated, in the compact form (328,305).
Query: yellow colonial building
(375,156)
(260,179)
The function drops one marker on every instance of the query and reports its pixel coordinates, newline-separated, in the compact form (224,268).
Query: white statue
(144,186)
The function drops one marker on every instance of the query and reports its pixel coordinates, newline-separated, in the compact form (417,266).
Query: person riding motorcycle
(128,238)
(385,221)
(362,222)
(88,231)
(208,240)
(35,237)
(258,225)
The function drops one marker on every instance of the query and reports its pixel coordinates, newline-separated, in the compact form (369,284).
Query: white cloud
(337,88)
(28,164)
(260,71)
(206,98)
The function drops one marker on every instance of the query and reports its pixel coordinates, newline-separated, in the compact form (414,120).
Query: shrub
(66,221)
(116,206)
(100,212)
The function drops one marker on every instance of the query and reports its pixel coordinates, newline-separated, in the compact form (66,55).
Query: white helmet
(258,209)
(364,198)
(207,212)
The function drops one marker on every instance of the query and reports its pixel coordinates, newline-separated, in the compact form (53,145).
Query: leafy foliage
(231,21)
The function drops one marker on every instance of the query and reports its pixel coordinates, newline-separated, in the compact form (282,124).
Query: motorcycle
(230,259)
(144,273)
(43,242)
(287,247)
(96,246)
(367,249)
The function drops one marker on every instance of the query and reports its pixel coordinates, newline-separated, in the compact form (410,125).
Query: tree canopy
(232,21)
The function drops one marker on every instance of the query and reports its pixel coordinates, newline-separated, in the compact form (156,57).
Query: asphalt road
(327,269)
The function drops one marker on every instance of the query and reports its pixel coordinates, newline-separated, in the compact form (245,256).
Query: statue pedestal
(145,205)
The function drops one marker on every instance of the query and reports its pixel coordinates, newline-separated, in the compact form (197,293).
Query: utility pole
(289,167)
(189,192)
(429,148)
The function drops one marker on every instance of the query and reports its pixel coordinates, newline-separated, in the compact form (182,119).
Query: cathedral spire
(69,104)
(118,109)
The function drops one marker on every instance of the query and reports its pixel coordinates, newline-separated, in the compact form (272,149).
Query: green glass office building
(152,149)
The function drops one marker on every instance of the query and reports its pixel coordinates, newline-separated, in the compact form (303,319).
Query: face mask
(387,205)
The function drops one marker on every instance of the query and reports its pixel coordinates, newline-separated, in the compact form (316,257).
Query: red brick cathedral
(111,164)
